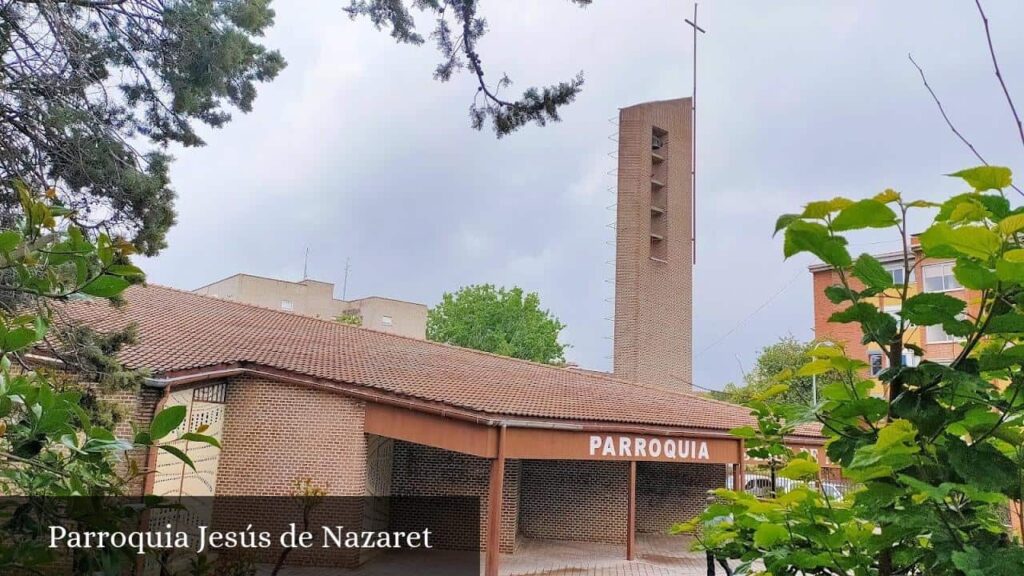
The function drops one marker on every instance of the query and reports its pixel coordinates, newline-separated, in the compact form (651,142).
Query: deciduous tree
(780,360)
(499,320)
(940,459)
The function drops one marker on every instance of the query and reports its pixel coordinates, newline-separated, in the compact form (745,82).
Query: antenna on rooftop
(305,265)
(693,136)
(344,284)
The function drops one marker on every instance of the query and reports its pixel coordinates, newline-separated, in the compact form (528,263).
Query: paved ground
(656,556)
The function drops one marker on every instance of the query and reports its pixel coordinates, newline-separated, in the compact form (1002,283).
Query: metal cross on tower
(693,136)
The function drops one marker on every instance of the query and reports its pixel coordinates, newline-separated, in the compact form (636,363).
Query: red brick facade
(849,335)
(574,500)
(425,471)
(668,493)
(275,434)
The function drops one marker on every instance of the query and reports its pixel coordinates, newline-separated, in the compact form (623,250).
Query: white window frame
(943,267)
(287,305)
(386,320)
(898,267)
(949,337)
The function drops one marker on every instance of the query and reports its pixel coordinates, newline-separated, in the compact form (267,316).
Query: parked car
(832,491)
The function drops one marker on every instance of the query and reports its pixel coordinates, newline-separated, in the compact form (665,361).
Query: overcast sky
(355,151)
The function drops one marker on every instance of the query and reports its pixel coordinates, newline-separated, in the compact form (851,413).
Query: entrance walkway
(657,555)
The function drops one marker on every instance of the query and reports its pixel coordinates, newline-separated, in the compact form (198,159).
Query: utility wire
(752,314)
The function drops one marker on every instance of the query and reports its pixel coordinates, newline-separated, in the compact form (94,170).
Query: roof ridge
(259,307)
(445,345)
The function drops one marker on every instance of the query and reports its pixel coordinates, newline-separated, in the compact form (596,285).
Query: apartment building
(925,275)
(316,298)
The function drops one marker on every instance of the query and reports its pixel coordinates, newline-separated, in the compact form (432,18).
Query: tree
(777,361)
(349,318)
(940,459)
(92,92)
(498,320)
(458,29)
(50,444)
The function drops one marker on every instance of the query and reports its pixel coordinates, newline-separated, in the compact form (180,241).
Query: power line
(752,314)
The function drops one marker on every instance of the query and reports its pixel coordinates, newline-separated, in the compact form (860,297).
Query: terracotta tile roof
(181,331)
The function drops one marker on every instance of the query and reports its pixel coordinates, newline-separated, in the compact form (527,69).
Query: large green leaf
(864,214)
(983,178)
(1010,268)
(800,469)
(859,312)
(942,241)
(996,205)
(983,466)
(18,338)
(1011,224)
(179,454)
(886,196)
(784,221)
(972,275)
(811,237)
(9,240)
(1009,323)
(105,286)
(166,421)
(205,439)
(838,294)
(822,208)
(930,308)
(870,271)
(768,535)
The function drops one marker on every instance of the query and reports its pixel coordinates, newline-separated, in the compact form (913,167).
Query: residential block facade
(925,275)
(316,298)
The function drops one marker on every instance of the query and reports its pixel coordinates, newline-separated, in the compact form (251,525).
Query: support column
(631,513)
(739,470)
(494,500)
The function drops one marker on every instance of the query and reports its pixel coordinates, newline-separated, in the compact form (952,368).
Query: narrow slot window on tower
(659,195)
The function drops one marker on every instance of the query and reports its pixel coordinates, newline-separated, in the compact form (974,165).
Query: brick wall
(139,407)
(850,334)
(574,500)
(275,434)
(424,471)
(653,277)
(669,492)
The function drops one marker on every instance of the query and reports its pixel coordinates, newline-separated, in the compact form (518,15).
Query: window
(935,334)
(875,360)
(910,359)
(939,278)
(897,274)
(386,320)
(287,305)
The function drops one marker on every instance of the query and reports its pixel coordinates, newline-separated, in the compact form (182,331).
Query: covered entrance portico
(588,473)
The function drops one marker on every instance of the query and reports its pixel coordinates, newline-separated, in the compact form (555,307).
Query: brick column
(494,507)
(631,513)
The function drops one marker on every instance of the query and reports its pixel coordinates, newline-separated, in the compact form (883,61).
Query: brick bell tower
(654,252)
